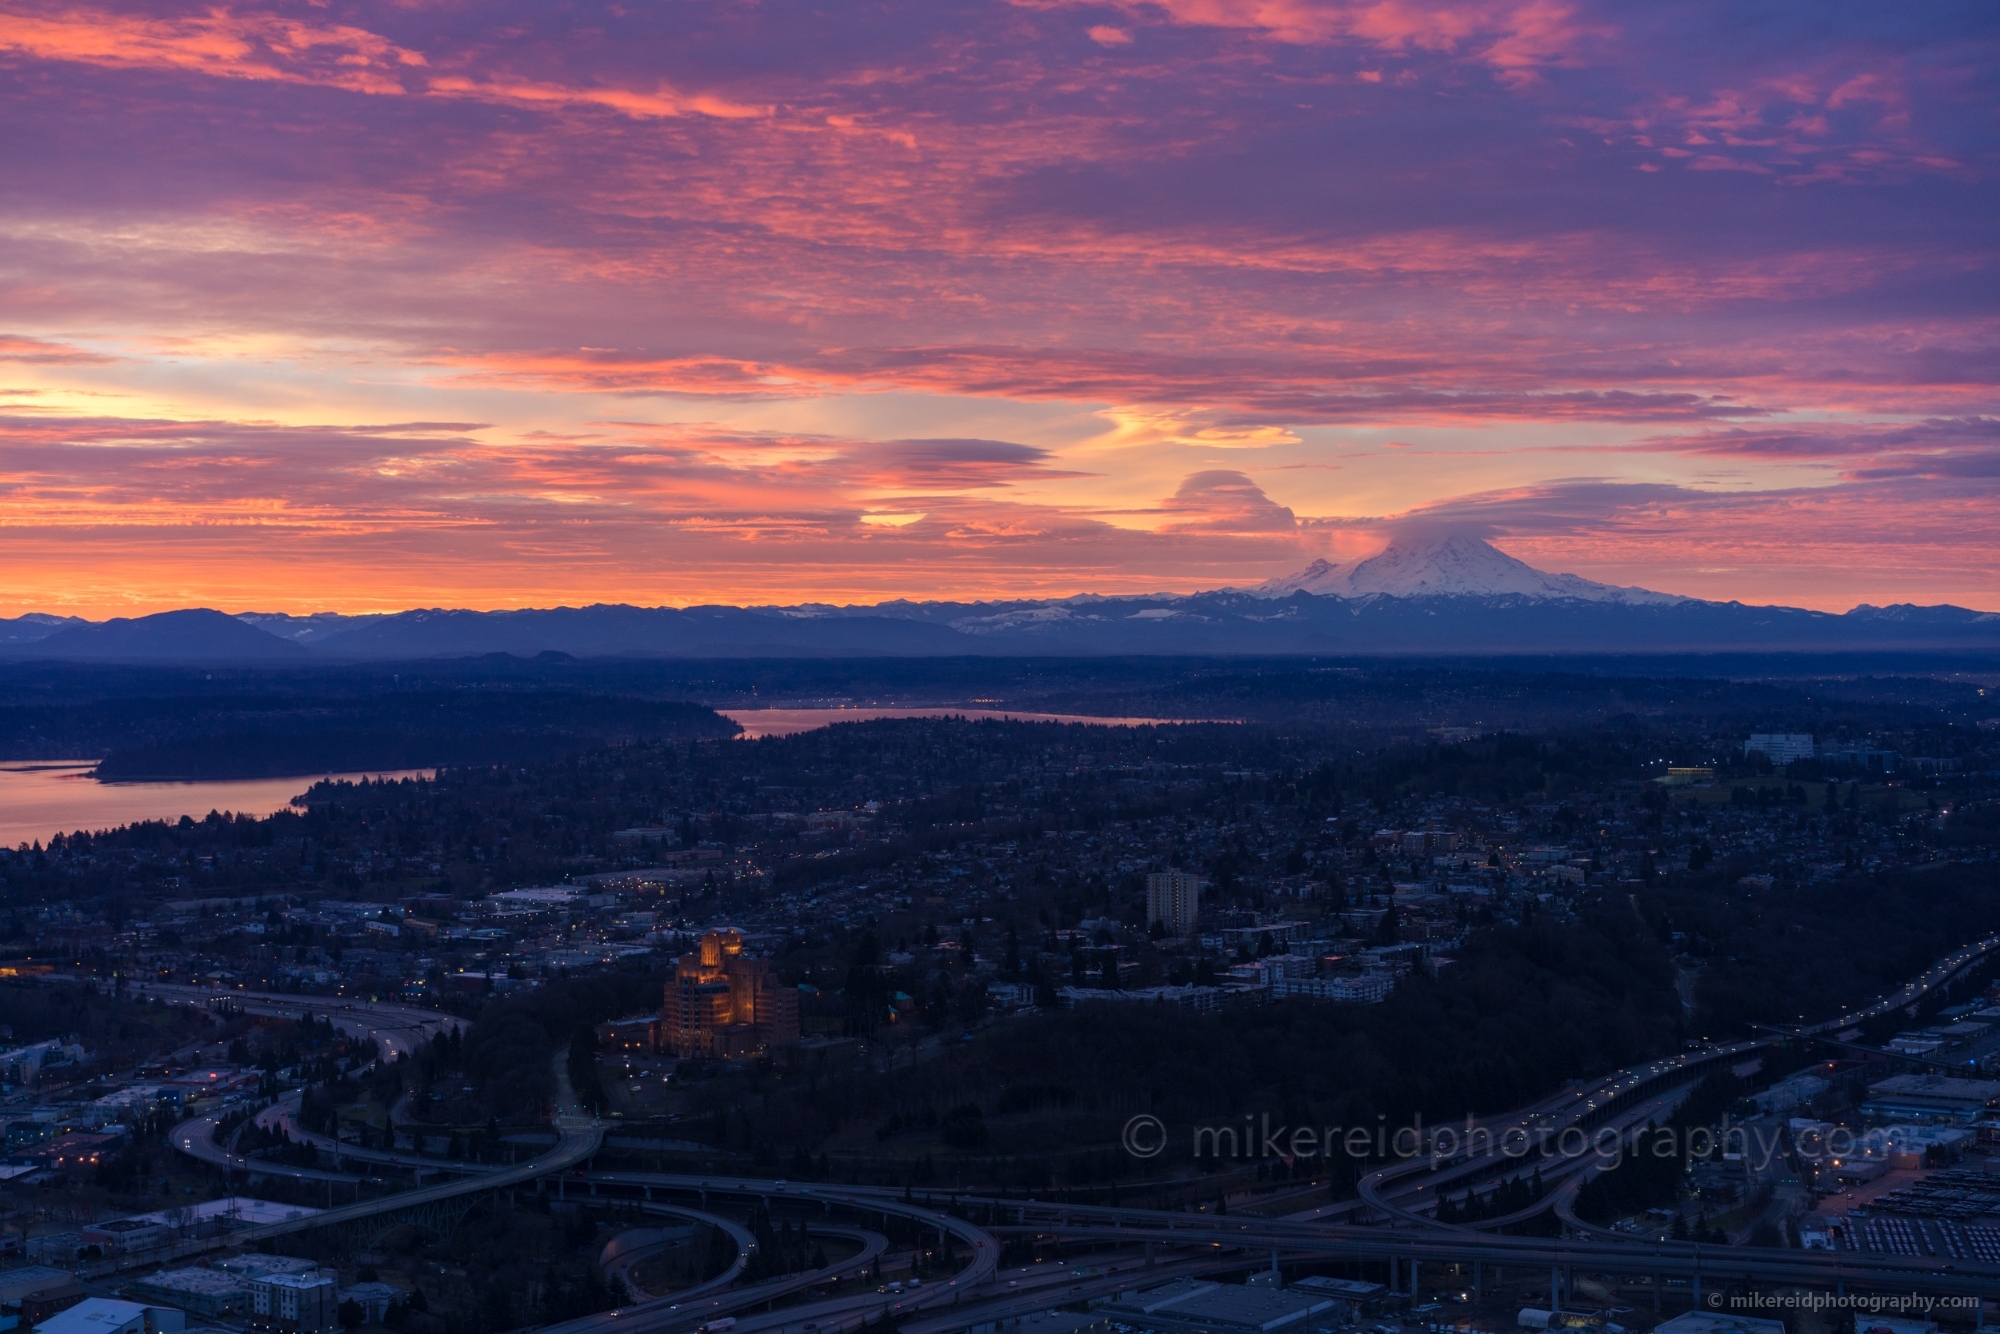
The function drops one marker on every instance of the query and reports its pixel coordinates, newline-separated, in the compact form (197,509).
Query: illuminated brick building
(722,1004)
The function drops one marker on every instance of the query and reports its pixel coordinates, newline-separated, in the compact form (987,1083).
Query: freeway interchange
(1148,1246)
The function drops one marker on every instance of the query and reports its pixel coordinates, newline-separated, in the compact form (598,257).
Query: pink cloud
(1689,253)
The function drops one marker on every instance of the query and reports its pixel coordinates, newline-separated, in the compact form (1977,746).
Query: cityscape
(999,667)
(948,1021)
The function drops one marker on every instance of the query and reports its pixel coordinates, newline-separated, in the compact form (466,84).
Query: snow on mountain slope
(1449,566)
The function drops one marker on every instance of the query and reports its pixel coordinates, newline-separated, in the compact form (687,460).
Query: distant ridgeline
(1453,595)
(188,739)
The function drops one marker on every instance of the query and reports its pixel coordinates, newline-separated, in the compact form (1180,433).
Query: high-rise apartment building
(1173,898)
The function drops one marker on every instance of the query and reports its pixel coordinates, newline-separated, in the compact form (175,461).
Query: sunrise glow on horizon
(363,305)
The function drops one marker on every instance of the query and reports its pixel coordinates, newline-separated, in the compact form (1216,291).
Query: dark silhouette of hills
(281,737)
(194,635)
(1225,623)
(619,630)
(1442,594)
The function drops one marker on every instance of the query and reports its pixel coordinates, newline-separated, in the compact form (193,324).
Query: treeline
(262,738)
(1649,1174)
(509,1052)
(1774,955)
(1522,1011)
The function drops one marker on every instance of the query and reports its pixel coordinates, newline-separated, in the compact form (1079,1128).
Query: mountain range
(1449,594)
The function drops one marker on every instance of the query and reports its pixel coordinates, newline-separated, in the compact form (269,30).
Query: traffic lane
(985,1251)
(284,1115)
(195,1137)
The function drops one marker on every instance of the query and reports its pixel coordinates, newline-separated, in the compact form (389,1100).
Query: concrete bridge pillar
(1478,1285)
(1555,1288)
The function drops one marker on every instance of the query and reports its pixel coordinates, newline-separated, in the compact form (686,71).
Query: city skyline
(367,306)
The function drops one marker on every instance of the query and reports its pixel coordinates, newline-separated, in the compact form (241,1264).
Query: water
(786,722)
(39,798)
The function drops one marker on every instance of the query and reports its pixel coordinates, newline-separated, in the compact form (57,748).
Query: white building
(1173,898)
(1780,747)
(1368,989)
(1194,998)
(104,1315)
(303,1303)
(23,1064)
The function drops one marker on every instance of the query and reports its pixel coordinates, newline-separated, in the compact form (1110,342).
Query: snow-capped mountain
(1454,565)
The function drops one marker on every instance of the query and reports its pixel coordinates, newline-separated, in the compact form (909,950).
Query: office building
(1780,747)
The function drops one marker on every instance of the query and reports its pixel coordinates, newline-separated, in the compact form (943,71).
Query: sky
(361,305)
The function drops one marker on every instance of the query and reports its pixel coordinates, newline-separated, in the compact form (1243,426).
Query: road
(579,1135)
(398,1028)
(675,1312)
(1623,1100)
(195,1137)
(1608,1101)
(283,1115)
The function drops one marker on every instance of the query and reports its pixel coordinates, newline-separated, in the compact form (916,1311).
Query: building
(38,1291)
(49,1300)
(640,1034)
(24,1065)
(1191,1306)
(301,1303)
(372,1298)
(103,1315)
(1780,747)
(122,1236)
(1173,900)
(1865,758)
(1706,1322)
(1422,842)
(1930,1098)
(1793,1092)
(214,1293)
(720,1003)
(1367,989)
(1194,998)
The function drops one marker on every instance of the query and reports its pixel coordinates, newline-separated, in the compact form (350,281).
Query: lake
(786,722)
(39,798)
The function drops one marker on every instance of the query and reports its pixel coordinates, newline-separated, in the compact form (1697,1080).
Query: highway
(1623,1100)
(283,1115)
(195,1137)
(1606,1101)
(684,1311)
(398,1028)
